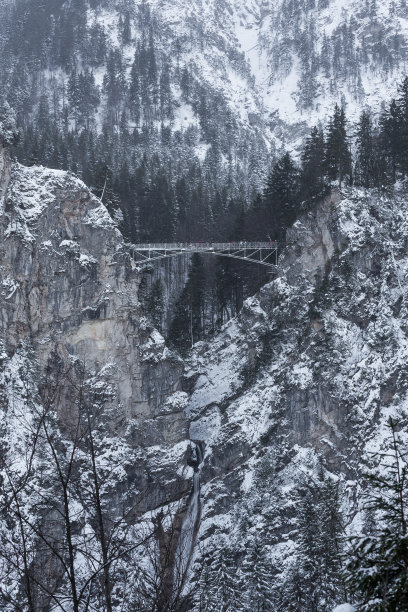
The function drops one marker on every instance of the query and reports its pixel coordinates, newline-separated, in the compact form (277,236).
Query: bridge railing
(205,246)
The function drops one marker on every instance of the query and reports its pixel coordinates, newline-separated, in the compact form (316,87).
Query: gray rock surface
(310,370)
(69,287)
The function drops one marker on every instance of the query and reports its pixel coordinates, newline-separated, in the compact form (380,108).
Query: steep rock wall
(69,289)
(307,375)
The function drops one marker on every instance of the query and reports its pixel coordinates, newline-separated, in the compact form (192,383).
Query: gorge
(302,382)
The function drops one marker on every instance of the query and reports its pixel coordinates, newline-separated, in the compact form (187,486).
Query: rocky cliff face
(305,378)
(299,384)
(4,172)
(69,291)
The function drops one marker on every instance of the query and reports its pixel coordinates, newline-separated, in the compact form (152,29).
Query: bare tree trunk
(101,526)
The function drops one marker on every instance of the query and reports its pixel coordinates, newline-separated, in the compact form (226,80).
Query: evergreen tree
(312,183)
(134,90)
(88,97)
(280,199)
(402,104)
(166,107)
(196,286)
(337,153)
(188,323)
(97,48)
(365,162)
(390,138)
(310,547)
(219,583)
(73,94)
(125,29)
(185,84)
(332,585)
(257,573)
(314,581)
(114,84)
(125,188)
(377,570)
(160,215)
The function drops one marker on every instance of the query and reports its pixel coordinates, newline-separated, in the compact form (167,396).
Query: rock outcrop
(306,376)
(70,289)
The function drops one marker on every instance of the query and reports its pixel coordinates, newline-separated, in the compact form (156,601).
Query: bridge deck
(205,246)
(254,252)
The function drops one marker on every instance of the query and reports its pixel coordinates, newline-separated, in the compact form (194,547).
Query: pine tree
(390,138)
(310,547)
(188,324)
(332,585)
(402,104)
(185,84)
(280,194)
(220,587)
(337,153)
(365,162)
(125,29)
(134,90)
(257,574)
(377,569)
(166,107)
(161,213)
(114,84)
(196,287)
(314,580)
(312,183)
(73,94)
(124,186)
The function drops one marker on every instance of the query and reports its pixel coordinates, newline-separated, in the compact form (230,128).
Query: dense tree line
(109,112)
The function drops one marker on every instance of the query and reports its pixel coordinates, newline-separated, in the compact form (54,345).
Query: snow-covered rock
(344,608)
(69,290)
(309,373)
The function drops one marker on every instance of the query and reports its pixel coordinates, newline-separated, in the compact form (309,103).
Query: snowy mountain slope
(305,379)
(279,67)
(176,112)
(289,401)
(281,64)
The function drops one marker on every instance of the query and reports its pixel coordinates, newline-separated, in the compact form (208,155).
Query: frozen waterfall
(185,543)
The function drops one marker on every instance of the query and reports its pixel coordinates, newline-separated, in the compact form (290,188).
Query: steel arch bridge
(263,253)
